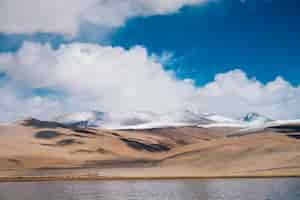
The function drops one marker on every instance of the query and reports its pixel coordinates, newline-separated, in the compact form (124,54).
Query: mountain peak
(255,117)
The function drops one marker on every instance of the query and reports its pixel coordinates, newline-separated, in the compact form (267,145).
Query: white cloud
(14,107)
(234,93)
(65,16)
(94,77)
(98,77)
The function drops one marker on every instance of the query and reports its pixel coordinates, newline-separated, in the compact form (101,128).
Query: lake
(210,189)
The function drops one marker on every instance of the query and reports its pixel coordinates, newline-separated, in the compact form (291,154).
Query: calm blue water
(237,189)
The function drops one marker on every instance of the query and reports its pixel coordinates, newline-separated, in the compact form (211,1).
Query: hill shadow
(294,136)
(66,142)
(47,134)
(42,124)
(292,128)
(143,146)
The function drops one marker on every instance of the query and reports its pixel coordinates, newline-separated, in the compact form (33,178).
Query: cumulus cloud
(13,106)
(95,77)
(233,93)
(57,16)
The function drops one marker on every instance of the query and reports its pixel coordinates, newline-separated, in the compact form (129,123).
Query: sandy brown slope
(38,149)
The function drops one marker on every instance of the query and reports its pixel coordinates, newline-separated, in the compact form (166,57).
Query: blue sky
(260,37)
(258,40)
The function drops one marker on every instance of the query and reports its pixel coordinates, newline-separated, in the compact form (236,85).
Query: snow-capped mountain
(255,118)
(252,120)
(185,116)
(284,122)
(83,119)
(171,119)
(220,119)
(149,120)
(106,119)
(275,125)
(133,120)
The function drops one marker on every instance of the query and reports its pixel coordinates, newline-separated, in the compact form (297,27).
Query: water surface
(218,189)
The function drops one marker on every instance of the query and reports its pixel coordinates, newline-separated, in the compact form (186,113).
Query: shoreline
(137,178)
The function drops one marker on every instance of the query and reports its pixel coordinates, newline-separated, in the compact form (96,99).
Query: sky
(215,56)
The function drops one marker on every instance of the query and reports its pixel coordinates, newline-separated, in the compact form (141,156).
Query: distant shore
(124,178)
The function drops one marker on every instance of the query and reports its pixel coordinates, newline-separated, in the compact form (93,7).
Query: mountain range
(145,144)
(149,120)
(251,123)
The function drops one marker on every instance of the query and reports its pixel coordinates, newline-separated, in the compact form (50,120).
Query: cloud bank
(95,77)
(57,16)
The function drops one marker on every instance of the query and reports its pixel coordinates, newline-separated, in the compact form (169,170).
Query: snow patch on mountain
(284,122)
(222,121)
(148,120)
(250,120)
(255,119)
(150,125)
(83,119)
(133,120)
(220,118)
